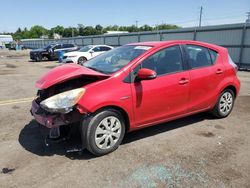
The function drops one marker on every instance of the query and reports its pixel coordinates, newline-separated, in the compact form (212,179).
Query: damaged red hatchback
(136,86)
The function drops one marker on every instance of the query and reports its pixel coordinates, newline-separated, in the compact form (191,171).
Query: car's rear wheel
(103,132)
(81,60)
(224,104)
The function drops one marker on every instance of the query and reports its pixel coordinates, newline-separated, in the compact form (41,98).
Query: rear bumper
(53,120)
(237,84)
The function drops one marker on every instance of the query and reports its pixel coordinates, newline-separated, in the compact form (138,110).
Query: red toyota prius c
(135,86)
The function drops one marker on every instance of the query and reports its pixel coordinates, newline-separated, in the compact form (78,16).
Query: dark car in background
(50,52)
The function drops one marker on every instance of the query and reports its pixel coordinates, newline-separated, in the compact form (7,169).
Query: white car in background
(85,53)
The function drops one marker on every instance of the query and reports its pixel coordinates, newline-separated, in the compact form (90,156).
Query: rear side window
(198,56)
(105,48)
(68,45)
(165,61)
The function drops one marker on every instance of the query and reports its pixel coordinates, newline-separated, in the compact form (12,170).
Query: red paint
(64,72)
(149,102)
(146,74)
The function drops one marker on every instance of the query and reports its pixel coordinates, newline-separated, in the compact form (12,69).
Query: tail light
(233,64)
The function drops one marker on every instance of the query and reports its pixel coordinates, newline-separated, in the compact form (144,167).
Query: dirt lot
(196,151)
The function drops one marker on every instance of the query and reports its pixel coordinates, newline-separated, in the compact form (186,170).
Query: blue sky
(49,13)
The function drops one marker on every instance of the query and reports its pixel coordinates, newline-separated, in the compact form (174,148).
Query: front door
(165,96)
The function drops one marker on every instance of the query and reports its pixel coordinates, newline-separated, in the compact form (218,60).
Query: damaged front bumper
(53,120)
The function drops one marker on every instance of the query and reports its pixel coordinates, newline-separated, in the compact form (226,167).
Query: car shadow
(164,127)
(43,60)
(31,139)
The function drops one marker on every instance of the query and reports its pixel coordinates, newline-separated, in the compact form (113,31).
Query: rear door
(167,95)
(206,72)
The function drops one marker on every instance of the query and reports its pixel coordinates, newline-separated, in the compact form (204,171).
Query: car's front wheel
(81,60)
(39,57)
(224,104)
(103,132)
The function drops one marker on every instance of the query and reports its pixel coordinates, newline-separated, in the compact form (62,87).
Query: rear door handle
(183,81)
(219,71)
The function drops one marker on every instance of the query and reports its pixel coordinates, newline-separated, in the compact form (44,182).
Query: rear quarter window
(213,55)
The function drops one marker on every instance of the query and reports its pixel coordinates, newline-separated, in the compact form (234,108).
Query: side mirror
(91,51)
(146,74)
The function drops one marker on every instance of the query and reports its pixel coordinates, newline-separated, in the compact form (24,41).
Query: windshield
(85,48)
(48,47)
(113,60)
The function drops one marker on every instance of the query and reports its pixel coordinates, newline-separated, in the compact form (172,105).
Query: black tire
(39,57)
(81,60)
(89,126)
(217,110)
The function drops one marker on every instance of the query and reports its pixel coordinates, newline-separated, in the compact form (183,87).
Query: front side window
(115,59)
(97,49)
(165,61)
(65,46)
(58,47)
(198,56)
(48,47)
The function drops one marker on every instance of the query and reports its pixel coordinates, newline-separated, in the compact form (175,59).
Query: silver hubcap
(226,103)
(108,132)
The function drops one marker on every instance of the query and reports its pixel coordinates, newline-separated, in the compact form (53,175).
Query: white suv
(85,53)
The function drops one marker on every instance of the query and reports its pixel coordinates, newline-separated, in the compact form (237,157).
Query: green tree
(37,31)
(167,26)
(146,28)
(99,29)
(58,29)
(81,29)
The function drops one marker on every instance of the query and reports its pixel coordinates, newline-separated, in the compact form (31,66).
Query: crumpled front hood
(63,73)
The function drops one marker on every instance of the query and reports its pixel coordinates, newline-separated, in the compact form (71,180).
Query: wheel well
(83,57)
(122,111)
(232,88)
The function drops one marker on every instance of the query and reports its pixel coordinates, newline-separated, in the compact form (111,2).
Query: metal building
(5,39)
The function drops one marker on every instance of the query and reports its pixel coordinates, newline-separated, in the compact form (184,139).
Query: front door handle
(183,81)
(219,71)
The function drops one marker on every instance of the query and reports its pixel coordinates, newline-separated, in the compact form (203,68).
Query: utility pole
(200,16)
(72,32)
(136,23)
(248,17)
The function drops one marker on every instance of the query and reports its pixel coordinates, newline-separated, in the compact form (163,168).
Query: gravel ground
(197,151)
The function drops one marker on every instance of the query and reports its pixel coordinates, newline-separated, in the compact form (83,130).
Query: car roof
(164,43)
(98,45)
